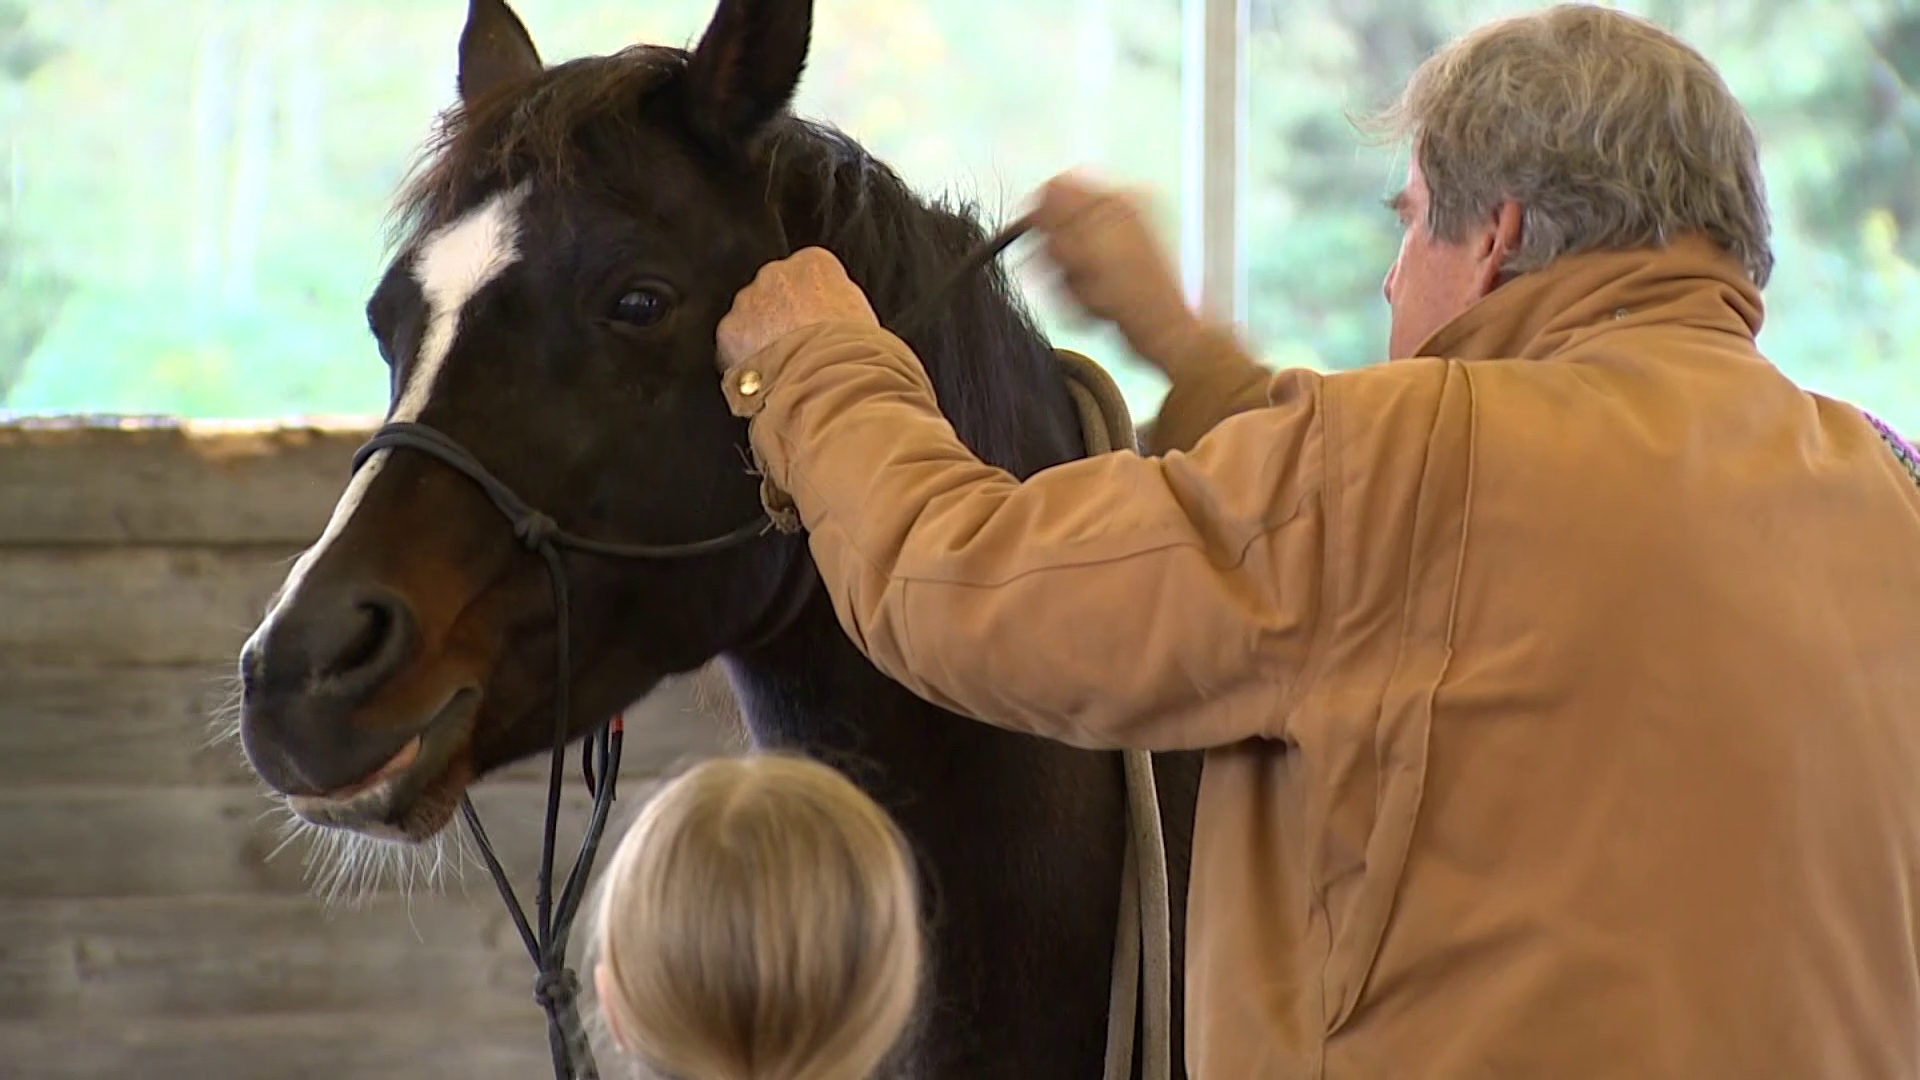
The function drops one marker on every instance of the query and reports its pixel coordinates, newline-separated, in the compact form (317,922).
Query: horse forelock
(528,133)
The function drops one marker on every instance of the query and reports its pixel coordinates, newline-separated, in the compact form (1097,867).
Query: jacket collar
(1689,282)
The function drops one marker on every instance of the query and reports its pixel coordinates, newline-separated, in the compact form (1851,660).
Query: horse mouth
(414,793)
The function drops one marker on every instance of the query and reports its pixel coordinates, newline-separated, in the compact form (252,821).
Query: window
(196,190)
(199,189)
(1830,86)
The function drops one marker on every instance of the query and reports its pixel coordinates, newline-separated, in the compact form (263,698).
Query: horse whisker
(351,870)
(223,720)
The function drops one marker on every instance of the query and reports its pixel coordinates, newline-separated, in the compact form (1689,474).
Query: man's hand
(1114,265)
(805,289)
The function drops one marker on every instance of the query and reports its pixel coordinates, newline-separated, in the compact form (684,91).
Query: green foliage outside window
(195,190)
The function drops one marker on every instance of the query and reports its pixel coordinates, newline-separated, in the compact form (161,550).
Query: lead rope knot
(535,529)
(556,989)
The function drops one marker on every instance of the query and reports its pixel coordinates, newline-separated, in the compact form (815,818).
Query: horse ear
(746,66)
(495,49)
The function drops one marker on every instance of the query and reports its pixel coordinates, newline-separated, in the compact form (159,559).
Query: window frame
(1213,141)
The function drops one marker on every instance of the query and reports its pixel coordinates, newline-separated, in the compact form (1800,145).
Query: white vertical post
(1213,75)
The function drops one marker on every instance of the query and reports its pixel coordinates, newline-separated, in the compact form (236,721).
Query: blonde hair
(759,921)
(1608,131)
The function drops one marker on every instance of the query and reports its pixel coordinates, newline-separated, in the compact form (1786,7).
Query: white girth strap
(1145,931)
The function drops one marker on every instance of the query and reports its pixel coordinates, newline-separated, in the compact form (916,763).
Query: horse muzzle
(387,801)
(331,718)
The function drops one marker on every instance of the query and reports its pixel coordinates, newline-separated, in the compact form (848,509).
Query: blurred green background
(196,189)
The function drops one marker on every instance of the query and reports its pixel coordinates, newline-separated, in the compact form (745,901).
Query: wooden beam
(99,725)
(204,957)
(78,606)
(164,482)
(420,1045)
(153,726)
(80,842)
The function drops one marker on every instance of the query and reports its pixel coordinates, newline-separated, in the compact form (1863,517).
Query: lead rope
(1145,924)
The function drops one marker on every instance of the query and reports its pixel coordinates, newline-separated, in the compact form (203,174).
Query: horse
(563,253)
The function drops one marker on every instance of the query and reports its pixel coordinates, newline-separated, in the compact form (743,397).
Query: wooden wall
(147,927)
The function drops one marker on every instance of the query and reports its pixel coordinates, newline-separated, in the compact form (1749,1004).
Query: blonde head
(758,922)
(1608,132)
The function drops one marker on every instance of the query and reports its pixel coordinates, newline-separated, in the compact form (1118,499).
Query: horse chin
(414,795)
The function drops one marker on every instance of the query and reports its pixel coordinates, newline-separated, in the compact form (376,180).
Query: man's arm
(1211,377)
(1112,262)
(1118,601)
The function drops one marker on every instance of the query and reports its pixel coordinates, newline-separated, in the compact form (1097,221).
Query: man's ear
(1502,240)
(746,67)
(495,49)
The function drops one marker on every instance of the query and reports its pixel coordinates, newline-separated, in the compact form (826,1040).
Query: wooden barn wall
(148,926)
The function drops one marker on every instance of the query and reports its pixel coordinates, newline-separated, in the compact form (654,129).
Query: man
(1558,680)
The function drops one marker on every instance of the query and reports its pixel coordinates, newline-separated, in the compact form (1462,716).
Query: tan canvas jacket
(1561,689)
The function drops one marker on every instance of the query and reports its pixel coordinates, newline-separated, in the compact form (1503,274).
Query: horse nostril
(365,640)
(376,624)
(304,674)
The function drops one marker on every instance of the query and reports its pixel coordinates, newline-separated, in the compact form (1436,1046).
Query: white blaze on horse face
(452,266)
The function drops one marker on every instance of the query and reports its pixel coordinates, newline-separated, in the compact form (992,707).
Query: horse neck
(993,371)
(810,690)
(1020,841)
(997,381)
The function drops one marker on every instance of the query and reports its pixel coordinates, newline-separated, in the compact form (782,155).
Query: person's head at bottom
(758,922)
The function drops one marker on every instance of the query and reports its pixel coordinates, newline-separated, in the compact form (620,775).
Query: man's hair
(1608,131)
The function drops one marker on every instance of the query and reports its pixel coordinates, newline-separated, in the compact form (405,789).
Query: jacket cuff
(748,383)
(748,386)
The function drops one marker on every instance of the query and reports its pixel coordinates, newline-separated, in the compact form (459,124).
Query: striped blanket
(1901,448)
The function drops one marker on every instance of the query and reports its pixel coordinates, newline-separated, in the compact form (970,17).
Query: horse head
(563,258)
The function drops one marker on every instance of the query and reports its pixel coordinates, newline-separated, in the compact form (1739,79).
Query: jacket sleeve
(1211,380)
(1112,602)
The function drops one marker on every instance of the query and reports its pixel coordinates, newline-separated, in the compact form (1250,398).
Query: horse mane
(579,122)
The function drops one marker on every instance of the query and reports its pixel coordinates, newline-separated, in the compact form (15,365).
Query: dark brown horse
(566,253)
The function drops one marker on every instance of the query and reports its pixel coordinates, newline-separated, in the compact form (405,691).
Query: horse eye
(641,307)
